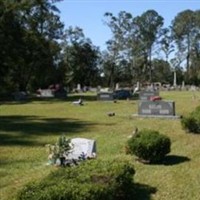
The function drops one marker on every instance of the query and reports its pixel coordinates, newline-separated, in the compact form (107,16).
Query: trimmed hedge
(191,123)
(149,146)
(90,180)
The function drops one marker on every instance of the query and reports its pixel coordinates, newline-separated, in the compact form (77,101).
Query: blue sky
(89,14)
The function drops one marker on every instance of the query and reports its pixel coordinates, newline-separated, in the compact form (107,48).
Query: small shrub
(59,150)
(149,146)
(191,123)
(89,181)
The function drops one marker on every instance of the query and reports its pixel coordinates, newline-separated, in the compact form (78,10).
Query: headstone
(157,85)
(46,93)
(183,85)
(78,87)
(117,86)
(82,146)
(147,94)
(193,88)
(158,108)
(174,83)
(150,87)
(94,89)
(98,88)
(138,85)
(104,89)
(105,96)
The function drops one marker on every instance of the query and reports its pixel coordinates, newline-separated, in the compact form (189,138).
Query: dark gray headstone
(147,94)
(105,96)
(161,108)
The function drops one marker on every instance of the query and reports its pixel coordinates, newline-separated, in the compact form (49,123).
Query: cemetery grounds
(26,127)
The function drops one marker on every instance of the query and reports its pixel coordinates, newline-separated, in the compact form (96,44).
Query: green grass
(25,129)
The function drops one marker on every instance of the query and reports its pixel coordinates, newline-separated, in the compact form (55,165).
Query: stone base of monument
(157,109)
(157,116)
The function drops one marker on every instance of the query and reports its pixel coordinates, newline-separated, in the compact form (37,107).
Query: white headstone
(137,88)
(46,93)
(82,146)
(78,87)
(193,88)
(183,84)
(174,84)
(138,85)
(117,86)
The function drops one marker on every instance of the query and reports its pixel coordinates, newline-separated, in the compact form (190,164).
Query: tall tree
(167,42)
(162,71)
(120,26)
(10,39)
(81,58)
(149,27)
(31,31)
(134,38)
(186,31)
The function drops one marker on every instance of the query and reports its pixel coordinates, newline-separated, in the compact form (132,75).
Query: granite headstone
(158,108)
(105,96)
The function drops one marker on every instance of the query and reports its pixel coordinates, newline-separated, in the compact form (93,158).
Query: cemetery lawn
(25,129)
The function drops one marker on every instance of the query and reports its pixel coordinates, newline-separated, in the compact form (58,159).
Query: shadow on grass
(86,97)
(7,140)
(143,192)
(175,160)
(34,99)
(49,100)
(69,98)
(168,160)
(24,130)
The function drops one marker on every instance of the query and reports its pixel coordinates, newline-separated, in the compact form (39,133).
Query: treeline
(37,51)
(143,50)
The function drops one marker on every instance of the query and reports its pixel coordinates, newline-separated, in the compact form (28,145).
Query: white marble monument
(82,147)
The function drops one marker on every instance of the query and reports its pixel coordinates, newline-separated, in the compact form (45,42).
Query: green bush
(90,180)
(191,123)
(149,145)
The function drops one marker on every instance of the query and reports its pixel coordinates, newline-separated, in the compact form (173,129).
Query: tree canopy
(37,50)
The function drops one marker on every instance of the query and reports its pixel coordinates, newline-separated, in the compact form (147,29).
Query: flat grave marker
(105,96)
(46,93)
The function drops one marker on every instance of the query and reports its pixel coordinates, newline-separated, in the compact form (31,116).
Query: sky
(89,14)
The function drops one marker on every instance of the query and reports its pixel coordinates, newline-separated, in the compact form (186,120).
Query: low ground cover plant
(149,146)
(102,180)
